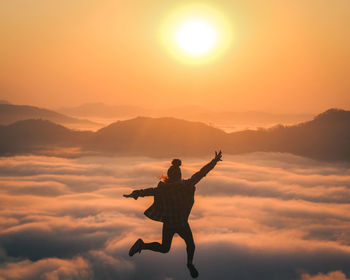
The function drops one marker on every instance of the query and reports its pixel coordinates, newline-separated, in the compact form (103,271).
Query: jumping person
(173,201)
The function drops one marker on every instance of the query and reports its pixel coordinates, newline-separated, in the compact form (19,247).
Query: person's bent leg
(167,237)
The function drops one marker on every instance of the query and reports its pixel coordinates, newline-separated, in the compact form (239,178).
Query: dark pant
(168,233)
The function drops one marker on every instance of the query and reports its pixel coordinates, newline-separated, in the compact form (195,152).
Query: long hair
(163,177)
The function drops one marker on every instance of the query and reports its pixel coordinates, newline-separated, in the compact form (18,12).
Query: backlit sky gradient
(284,56)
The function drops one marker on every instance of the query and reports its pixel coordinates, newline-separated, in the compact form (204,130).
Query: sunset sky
(277,207)
(282,56)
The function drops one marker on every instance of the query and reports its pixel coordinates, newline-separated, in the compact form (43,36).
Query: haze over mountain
(39,136)
(327,135)
(10,113)
(101,110)
(229,120)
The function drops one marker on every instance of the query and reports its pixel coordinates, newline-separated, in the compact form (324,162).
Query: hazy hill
(325,137)
(101,110)
(195,113)
(157,137)
(10,113)
(36,135)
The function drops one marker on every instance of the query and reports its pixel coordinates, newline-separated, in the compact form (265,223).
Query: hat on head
(174,171)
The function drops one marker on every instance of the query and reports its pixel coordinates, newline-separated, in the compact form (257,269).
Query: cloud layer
(256,216)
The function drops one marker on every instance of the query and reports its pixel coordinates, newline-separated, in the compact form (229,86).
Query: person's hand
(135,194)
(218,156)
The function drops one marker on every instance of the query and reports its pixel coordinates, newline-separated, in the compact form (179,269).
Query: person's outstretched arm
(141,193)
(205,169)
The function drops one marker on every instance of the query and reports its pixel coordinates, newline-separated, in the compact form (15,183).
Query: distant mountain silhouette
(30,136)
(101,110)
(10,113)
(157,137)
(235,118)
(194,113)
(326,137)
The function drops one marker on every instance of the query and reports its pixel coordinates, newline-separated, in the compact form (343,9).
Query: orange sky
(288,56)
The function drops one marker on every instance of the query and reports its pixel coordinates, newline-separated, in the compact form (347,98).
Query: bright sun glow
(196,36)
(196,33)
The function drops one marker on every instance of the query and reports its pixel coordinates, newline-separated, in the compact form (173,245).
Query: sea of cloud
(256,216)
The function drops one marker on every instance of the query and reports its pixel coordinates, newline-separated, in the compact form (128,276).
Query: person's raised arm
(205,169)
(141,193)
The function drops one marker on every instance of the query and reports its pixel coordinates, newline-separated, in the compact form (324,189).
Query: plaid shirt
(173,201)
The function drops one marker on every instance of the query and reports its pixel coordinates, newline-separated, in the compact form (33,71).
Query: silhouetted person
(173,201)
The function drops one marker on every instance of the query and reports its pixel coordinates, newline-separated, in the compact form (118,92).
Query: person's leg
(186,234)
(167,237)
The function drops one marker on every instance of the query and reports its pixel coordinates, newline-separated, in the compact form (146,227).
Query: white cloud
(334,275)
(251,212)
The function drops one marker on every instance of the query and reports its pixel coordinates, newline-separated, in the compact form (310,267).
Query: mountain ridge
(11,113)
(325,137)
(193,113)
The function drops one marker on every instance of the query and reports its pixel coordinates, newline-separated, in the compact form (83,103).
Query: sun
(196,33)
(196,36)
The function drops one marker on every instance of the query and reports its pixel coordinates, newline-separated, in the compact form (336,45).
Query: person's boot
(193,270)
(136,248)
